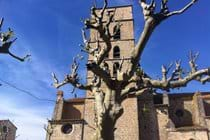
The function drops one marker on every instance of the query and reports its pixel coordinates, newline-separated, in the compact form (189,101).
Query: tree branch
(133,90)
(176,80)
(205,79)
(169,84)
(192,62)
(72,78)
(86,47)
(149,26)
(190,77)
(106,36)
(6,43)
(100,72)
(138,50)
(1,23)
(104,8)
(165,71)
(177,73)
(152,20)
(19,58)
(97,24)
(5,49)
(69,80)
(181,10)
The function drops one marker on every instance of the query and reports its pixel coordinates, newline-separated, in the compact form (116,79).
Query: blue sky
(50,31)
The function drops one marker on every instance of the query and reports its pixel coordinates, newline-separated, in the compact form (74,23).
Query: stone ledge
(72,121)
(207,117)
(161,105)
(189,128)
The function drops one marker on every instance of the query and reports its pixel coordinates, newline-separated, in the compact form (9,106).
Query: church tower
(122,44)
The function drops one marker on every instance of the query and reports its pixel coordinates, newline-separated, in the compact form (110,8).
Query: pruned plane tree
(131,79)
(6,41)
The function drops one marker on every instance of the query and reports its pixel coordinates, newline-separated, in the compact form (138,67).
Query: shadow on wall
(206,107)
(70,112)
(180,116)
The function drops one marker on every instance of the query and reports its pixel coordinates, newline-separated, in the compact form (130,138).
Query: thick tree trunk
(106,115)
(107,132)
(107,128)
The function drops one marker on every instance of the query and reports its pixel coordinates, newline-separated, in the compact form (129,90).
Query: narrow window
(115,68)
(106,67)
(5,129)
(107,56)
(117,32)
(116,52)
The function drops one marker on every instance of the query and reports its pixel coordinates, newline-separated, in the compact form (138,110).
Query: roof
(172,95)
(75,100)
(183,94)
(121,6)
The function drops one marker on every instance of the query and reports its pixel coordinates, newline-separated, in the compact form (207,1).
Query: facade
(174,116)
(147,117)
(7,130)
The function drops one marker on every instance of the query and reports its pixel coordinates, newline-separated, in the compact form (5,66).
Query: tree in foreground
(135,81)
(6,41)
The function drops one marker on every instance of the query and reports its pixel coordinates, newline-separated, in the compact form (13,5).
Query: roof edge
(120,6)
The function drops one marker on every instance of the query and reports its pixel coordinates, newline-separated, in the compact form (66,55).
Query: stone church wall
(76,133)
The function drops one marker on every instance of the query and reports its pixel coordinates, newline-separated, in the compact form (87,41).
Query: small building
(7,130)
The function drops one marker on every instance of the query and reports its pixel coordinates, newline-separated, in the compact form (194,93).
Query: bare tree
(134,81)
(6,41)
(49,129)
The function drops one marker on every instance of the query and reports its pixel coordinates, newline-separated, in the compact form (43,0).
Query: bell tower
(122,41)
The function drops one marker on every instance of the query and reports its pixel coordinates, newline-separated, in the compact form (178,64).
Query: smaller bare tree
(49,129)
(6,41)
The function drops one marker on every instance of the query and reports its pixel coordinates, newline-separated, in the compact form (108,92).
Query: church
(165,116)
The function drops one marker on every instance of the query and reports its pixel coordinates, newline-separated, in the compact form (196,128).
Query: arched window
(116,52)
(115,68)
(107,56)
(117,32)
(106,67)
